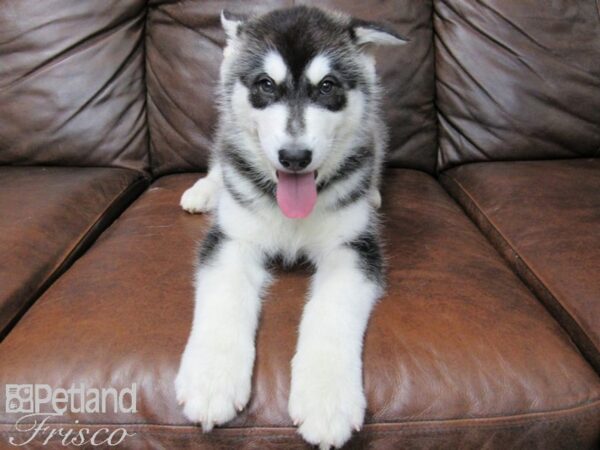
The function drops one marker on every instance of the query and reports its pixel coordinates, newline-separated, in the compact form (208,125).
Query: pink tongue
(296,194)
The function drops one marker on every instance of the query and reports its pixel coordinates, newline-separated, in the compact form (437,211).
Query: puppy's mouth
(296,193)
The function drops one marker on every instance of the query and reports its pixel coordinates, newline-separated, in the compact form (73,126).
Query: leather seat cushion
(458,353)
(48,216)
(544,216)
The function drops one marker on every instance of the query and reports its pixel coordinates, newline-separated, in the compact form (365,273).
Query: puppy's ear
(367,34)
(231,23)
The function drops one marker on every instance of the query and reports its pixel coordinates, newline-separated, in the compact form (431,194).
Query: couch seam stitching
(494,421)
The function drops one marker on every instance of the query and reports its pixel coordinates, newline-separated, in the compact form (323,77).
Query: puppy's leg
(203,195)
(215,374)
(326,397)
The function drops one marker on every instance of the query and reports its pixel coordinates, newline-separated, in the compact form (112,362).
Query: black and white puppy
(294,172)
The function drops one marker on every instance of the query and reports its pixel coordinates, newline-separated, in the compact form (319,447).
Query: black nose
(295,159)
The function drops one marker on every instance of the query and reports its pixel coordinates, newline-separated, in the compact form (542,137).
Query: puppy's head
(299,84)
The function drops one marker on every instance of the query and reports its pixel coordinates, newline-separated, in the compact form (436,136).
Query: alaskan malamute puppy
(294,173)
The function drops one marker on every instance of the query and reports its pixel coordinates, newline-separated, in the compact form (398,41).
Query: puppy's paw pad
(201,197)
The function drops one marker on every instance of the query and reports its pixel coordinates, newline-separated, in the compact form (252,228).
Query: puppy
(294,173)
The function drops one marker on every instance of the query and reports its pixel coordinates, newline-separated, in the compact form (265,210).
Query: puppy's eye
(327,86)
(266,85)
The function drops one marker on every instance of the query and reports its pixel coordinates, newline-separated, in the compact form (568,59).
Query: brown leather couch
(489,335)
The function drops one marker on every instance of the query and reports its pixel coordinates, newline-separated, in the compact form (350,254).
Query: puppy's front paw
(326,398)
(201,197)
(213,385)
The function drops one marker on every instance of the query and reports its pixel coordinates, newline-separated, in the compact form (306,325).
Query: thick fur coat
(294,174)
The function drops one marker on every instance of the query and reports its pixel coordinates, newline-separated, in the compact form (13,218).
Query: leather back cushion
(184,48)
(72,83)
(517,79)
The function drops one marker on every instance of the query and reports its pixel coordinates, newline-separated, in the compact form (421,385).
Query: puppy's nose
(295,160)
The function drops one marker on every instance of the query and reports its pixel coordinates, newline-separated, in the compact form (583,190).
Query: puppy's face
(299,117)
(300,81)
